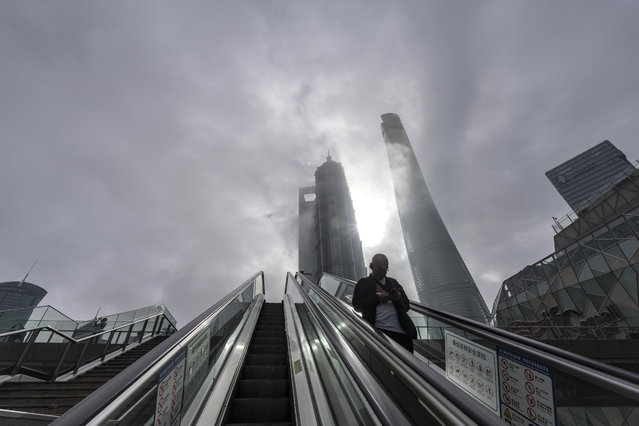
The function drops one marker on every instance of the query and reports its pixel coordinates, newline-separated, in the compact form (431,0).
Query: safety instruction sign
(526,390)
(168,403)
(473,368)
(197,360)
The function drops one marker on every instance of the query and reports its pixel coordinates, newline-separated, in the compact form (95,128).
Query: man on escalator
(383,303)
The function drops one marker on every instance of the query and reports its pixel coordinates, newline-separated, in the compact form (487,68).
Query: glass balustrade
(191,365)
(519,382)
(338,401)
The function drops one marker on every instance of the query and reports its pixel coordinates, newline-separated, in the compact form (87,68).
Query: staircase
(263,392)
(55,398)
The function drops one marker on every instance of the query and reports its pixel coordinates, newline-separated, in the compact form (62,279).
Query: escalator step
(269,340)
(261,424)
(269,332)
(270,325)
(272,372)
(266,359)
(262,388)
(279,326)
(264,410)
(267,349)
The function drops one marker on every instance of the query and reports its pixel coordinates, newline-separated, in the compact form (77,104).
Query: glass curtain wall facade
(329,240)
(584,178)
(17,300)
(584,291)
(441,277)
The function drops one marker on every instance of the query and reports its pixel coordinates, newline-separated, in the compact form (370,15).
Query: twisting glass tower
(441,278)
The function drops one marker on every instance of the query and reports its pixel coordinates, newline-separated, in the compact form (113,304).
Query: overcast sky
(151,152)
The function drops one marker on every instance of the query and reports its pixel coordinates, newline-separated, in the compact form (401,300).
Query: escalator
(311,360)
(262,393)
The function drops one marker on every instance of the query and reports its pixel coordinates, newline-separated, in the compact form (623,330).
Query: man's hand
(395,295)
(383,297)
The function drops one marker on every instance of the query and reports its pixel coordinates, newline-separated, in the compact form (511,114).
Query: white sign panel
(526,390)
(473,368)
(197,361)
(168,403)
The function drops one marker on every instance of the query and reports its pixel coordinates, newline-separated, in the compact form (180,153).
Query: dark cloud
(151,152)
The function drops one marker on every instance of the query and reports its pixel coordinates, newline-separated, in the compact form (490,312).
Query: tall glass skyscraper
(329,242)
(441,278)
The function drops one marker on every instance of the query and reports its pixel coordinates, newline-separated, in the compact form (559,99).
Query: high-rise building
(441,277)
(16,298)
(584,178)
(329,240)
(306,236)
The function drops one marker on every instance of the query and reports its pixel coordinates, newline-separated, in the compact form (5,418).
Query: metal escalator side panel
(152,379)
(217,400)
(133,395)
(375,405)
(441,398)
(570,382)
(304,399)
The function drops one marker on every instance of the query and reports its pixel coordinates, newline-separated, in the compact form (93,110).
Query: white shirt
(386,315)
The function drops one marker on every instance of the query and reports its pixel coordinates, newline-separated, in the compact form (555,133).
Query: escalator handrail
(385,417)
(128,379)
(445,398)
(600,373)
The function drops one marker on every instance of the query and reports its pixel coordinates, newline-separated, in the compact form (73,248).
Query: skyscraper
(332,240)
(582,179)
(306,236)
(441,278)
(15,297)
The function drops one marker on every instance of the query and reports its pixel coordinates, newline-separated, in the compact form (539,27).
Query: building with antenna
(442,279)
(328,236)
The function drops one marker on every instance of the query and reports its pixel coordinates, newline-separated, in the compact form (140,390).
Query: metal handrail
(131,380)
(439,396)
(34,332)
(377,404)
(92,336)
(600,373)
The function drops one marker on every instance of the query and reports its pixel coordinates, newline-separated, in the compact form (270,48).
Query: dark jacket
(365,300)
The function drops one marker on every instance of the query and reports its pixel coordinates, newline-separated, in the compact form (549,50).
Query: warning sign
(473,368)
(196,365)
(168,403)
(526,389)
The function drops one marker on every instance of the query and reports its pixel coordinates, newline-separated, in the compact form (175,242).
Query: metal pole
(23,355)
(62,358)
(126,340)
(79,362)
(106,347)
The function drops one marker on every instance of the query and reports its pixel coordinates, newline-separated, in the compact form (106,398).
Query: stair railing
(85,342)
(194,356)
